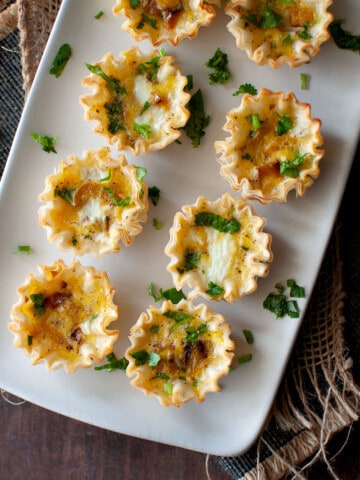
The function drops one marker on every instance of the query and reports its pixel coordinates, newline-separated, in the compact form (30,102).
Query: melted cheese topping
(62,315)
(294,36)
(228,261)
(165,20)
(93,203)
(151,106)
(192,346)
(259,154)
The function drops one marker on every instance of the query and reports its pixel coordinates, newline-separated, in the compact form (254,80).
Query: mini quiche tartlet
(162,21)
(274,32)
(62,316)
(274,147)
(218,249)
(138,101)
(93,203)
(179,352)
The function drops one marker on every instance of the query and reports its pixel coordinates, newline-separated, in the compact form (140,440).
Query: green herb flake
(292,309)
(154,328)
(245,88)
(142,356)
(107,178)
(38,302)
(284,125)
(135,4)
(157,224)
(162,376)
(305,34)
(198,120)
(214,290)
(276,303)
(145,19)
(99,14)
(154,194)
(61,58)
(343,38)
(290,168)
(112,83)
(267,18)
(145,107)
(143,129)
(66,194)
(47,143)
(249,337)
(113,363)
(29,340)
(124,202)
(295,289)
(190,83)
(254,119)
(304,80)
(191,262)
(218,62)
(245,358)
(171,294)
(22,249)
(193,333)
(168,388)
(209,219)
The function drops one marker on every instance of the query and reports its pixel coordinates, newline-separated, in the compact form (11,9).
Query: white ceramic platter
(227,422)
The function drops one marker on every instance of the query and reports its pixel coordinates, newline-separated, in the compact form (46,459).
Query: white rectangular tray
(228,422)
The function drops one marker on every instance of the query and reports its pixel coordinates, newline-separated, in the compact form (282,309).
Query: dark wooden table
(36,444)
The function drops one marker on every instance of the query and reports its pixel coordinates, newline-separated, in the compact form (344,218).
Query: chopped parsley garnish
(142,357)
(214,290)
(99,14)
(290,168)
(113,363)
(245,358)
(171,294)
(281,304)
(38,301)
(141,173)
(193,333)
(47,143)
(343,38)
(304,34)
(198,120)
(146,19)
(149,68)
(154,194)
(168,388)
(143,129)
(107,178)
(268,18)
(145,107)
(291,3)
(22,249)
(249,337)
(254,119)
(66,194)
(245,88)
(154,329)
(114,111)
(157,224)
(113,83)
(134,4)
(162,376)
(191,261)
(124,202)
(190,83)
(209,219)
(181,318)
(218,62)
(287,40)
(29,340)
(61,58)
(284,124)
(304,77)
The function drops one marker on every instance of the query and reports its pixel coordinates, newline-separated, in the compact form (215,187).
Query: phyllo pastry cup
(162,21)
(274,147)
(179,352)
(275,32)
(93,203)
(138,101)
(218,249)
(62,316)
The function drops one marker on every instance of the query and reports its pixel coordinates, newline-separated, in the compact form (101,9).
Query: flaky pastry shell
(138,101)
(275,32)
(218,249)
(93,203)
(274,147)
(62,316)
(162,21)
(179,352)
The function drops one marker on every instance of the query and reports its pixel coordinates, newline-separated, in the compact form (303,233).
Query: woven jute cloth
(318,396)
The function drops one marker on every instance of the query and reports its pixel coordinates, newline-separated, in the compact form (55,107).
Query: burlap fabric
(318,396)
